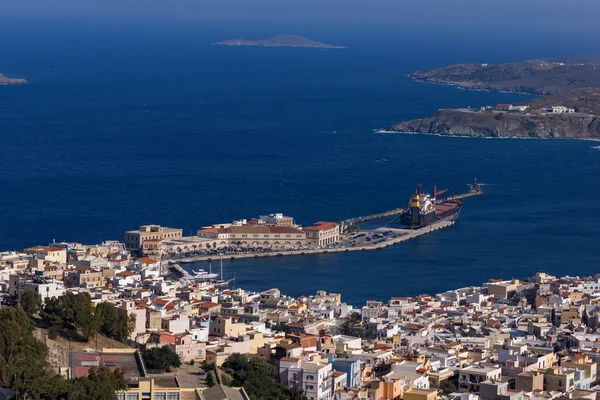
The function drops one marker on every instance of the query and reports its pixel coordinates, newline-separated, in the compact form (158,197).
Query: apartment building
(471,377)
(314,379)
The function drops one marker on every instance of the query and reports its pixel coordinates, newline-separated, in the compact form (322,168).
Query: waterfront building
(322,233)
(134,240)
(276,219)
(276,237)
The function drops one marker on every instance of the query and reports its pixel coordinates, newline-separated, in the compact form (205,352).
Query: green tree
(31,302)
(100,384)
(447,387)
(281,327)
(210,379)
(24,366)
(52,317)
(161,358)
(84,316)
(259,379)
(107,319)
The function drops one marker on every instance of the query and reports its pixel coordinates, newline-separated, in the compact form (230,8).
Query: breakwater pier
(476,191)
(403,235)
(351,236)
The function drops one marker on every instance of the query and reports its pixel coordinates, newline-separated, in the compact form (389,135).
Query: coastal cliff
(11,81)
(537,122)
(458,122)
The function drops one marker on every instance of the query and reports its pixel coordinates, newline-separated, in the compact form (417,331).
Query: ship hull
(445,211)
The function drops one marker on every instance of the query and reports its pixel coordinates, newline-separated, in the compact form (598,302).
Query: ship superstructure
(425,209)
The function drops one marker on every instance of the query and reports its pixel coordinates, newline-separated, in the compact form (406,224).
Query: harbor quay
(512,339)
(280,235)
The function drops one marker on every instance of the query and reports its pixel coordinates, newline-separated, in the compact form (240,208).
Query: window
(132,396)
(120,396)
(310,377)
(173,396)
(309,387)
(160,396)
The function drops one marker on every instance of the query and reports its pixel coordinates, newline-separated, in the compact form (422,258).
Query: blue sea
(129,124)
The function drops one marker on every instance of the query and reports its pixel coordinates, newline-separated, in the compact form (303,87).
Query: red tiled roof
(167,338)
(44,248)
(321,226)
(147,260)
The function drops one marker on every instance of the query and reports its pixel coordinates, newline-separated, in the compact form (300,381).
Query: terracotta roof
(252,229)
(127,273)
(292,359)
(321,226)
(45,248)
(167,338)
(147,260)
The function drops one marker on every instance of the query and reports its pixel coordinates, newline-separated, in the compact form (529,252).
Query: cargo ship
(425,209)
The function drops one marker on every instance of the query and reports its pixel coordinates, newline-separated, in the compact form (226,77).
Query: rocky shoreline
(454,122)
(536,119)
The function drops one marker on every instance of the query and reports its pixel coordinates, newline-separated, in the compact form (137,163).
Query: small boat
(221,283)
(202,274)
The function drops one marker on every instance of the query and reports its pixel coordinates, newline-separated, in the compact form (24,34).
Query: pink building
(188,349)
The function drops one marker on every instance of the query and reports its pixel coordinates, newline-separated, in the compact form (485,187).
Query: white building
(314,379)
(562,110)
(47,288)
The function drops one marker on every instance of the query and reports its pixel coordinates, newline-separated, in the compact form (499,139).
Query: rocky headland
(11,81)
(541,77)
(280,41)
(576,115)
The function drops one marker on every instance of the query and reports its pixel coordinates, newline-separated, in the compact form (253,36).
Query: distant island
(11,81)
(571,115)
(541,77)
(280,41)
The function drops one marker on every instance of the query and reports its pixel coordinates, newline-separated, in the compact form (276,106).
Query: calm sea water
(122,127)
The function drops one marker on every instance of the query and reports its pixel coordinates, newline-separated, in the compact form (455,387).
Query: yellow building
(227,327)
(420,394)
(582,363)
(158,388)
(169,388)
(134,240)
(557,380)
(52,254)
